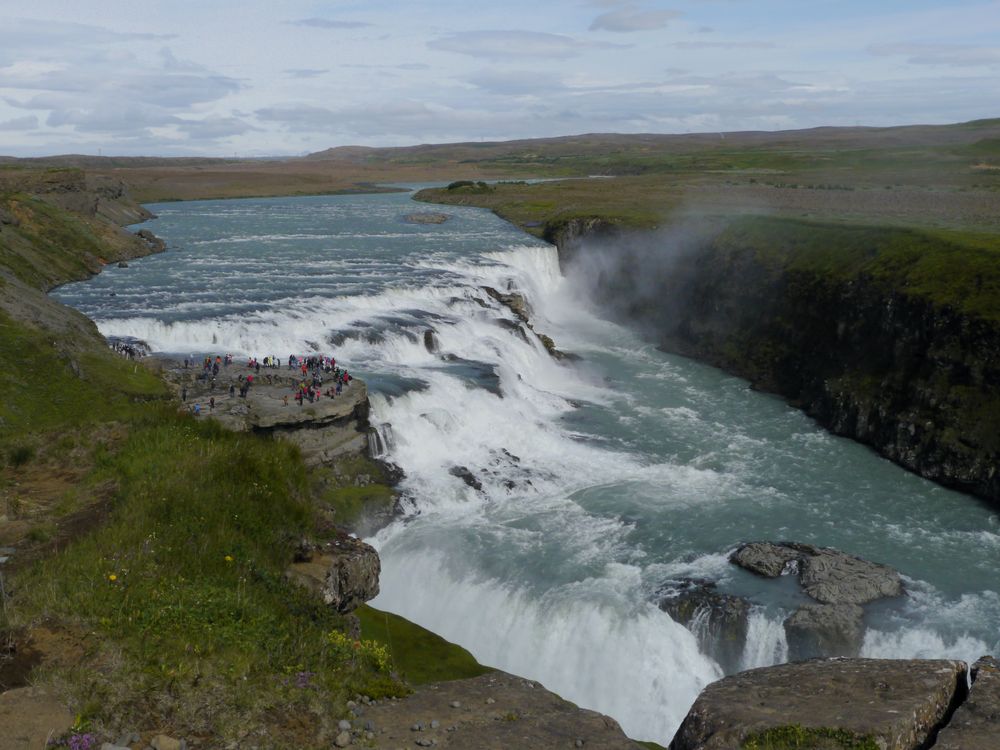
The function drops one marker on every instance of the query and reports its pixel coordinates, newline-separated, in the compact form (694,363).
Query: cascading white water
(549,502)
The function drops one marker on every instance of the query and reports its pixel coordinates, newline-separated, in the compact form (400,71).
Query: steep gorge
(886,336)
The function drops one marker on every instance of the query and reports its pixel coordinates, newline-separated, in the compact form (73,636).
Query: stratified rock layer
(895,703)
(976,723)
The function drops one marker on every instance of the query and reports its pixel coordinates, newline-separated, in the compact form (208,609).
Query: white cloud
(631,18)
(956,55)
(18,124)
(325,23)
(514,44)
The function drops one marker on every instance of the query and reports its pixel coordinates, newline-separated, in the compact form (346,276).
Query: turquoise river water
(602,478)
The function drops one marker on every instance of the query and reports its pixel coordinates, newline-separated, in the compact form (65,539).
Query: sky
(262,78)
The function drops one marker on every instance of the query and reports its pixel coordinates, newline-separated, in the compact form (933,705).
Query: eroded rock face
(719,621)
(344,572)
(899,704)
(824,630)
(976,723)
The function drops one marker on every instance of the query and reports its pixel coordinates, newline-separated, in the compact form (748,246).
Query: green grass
(417,654)
(185,582)
(796,737)
(949,268)
(42,392)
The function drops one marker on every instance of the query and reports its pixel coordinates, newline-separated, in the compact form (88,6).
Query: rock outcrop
(719,621)
(496,711)
(892,704)
(343,572)
(976,723)
(841,583)
(324,430)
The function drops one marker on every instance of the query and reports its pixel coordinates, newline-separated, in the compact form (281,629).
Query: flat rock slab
(976,723)
(496,711)
(897,703)
(29,717)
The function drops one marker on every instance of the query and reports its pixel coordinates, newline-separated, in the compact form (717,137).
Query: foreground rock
(343,572)
(29,717)
(840,582)
(496,711)
(976,723)
(898,705)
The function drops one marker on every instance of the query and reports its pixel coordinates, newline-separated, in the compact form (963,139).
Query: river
(601,478)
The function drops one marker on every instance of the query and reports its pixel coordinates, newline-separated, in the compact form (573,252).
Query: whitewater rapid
(596,480)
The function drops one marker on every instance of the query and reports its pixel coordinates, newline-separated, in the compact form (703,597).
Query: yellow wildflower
(112,578)
(229,558)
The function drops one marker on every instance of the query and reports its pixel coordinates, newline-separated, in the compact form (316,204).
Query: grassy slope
(183,580)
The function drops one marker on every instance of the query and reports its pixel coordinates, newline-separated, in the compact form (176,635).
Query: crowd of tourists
(314,377)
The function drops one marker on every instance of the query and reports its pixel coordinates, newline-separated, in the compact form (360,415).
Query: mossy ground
(795,737)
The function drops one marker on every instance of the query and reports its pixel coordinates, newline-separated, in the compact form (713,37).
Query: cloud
(515,44)
(957,55)
(516,82)
(93,81)
(29,122)
(724,45)
(630,18)
(305,72)
(214,128)
(325,23)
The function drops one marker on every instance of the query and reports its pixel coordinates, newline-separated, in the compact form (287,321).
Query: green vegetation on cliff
(150,586)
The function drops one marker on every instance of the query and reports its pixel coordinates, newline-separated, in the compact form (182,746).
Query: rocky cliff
(887,336)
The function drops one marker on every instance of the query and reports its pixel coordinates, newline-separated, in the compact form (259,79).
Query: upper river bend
(602,478)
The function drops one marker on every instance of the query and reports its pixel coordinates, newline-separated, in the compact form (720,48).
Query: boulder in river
(719,621)
(886,703)
(826,574)
(824,630)
(426,217)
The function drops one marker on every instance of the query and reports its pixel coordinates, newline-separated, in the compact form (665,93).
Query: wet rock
(426,217)
(719,621)
(345,574)
(826,574)
(766,559)
(976,723)
(466,476)
(516,328)
(515,302)
(824,630)
(122,264)
(154,243)
(430,341)
(833,577)
(898,704)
